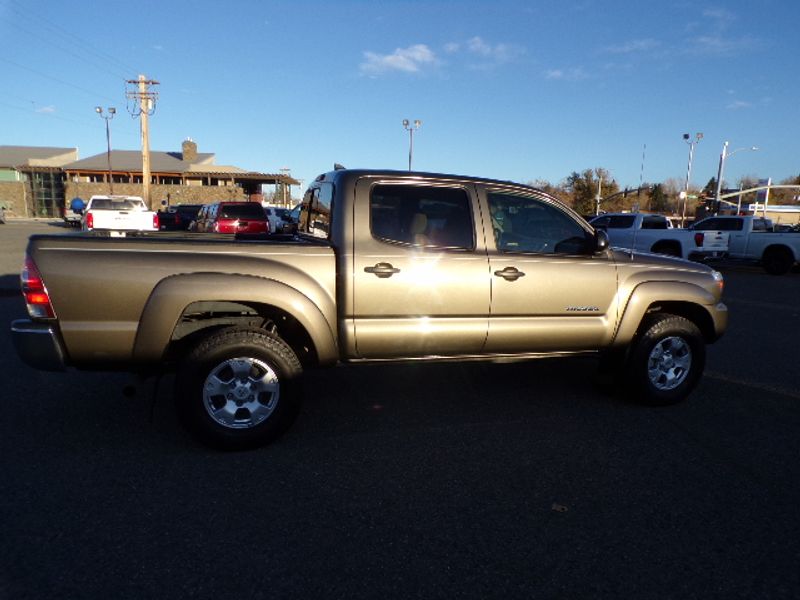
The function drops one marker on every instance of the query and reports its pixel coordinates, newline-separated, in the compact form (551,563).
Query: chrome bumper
(38,345)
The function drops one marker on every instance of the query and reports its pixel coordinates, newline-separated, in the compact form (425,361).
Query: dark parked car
(279,218)
(178,217)
(232,217)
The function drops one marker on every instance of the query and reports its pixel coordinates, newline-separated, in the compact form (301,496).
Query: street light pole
(408,127)
(111,112)
(692,144)
(722,158)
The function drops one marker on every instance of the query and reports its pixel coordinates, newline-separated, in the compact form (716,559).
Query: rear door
(550,292)
(420,270)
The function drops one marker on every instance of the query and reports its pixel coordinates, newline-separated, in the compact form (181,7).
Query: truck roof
(339,174)
(114,197)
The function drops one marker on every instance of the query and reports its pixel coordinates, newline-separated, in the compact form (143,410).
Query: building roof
(131,160)
(36,156)
(41,158)
(246,176)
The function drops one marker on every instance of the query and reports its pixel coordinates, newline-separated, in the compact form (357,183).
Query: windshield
(123,204)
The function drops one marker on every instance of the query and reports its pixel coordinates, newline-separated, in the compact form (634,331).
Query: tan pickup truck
(384,266)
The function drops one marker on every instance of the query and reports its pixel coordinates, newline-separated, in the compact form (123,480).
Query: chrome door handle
(510,274)
(382,270)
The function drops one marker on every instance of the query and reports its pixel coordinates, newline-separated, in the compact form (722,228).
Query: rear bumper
(39,345)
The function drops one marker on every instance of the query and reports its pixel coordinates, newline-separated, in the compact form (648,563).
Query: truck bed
(100,286)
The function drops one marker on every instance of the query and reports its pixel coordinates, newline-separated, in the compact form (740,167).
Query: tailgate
(715,241)
(123,220)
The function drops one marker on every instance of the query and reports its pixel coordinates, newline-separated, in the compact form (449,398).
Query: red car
(233,217)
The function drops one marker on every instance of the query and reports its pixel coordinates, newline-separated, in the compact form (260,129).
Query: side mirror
(601,241)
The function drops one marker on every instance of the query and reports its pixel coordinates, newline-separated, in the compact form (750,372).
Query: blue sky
(508,90)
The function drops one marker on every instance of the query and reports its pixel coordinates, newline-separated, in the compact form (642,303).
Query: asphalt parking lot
(425,481)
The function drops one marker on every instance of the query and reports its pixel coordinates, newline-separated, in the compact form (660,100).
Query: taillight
(89,221)
(698,239)
(36,296)
(156,224)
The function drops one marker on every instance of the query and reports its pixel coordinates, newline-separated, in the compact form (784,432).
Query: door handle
(510,274)
(382,270)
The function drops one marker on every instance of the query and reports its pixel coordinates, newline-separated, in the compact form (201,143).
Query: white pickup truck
(118,215)
(753,238)
(655,233)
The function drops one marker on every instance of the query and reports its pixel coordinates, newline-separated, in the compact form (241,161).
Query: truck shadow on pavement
(84,411)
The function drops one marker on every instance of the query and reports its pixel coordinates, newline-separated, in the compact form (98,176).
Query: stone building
(37,181)
(32,179)
(185,177)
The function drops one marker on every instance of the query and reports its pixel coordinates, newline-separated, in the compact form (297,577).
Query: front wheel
(238,389)
(666,361)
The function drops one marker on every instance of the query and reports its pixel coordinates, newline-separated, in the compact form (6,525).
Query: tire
(666,361)
(238,389)
(777,260)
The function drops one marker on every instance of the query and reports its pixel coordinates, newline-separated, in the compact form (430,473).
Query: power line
(73,39)
(57,80)
(49,115)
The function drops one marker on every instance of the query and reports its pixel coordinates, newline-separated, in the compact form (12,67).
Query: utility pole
(144,106)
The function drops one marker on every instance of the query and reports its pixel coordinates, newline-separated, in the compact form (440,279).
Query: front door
(550,292)
(420,275)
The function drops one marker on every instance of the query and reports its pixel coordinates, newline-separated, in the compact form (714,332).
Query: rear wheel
(238,389)
(666,361)
(777,260)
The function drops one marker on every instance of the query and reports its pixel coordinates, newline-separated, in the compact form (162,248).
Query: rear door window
(621,221)
(427,216)
(654,222)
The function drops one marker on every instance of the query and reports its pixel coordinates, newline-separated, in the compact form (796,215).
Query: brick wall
(13,195)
